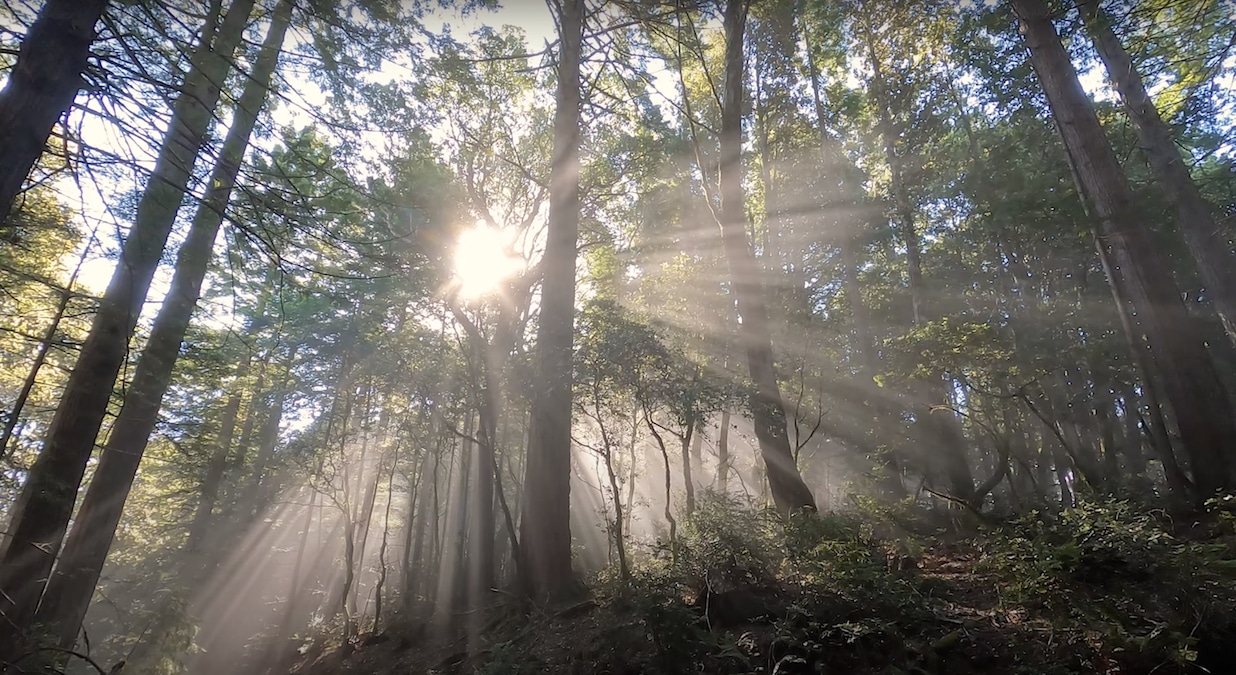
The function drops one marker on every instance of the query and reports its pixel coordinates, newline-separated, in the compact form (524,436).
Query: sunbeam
(578,336)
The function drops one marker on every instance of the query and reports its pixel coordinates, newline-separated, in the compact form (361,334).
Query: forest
(617,336)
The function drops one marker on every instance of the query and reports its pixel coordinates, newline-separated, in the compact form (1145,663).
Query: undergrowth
(1115,572)
(1105,587)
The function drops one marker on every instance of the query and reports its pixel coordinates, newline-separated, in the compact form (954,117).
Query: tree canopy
(323,323)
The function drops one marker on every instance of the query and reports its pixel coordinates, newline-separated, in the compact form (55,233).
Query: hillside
(1096,590)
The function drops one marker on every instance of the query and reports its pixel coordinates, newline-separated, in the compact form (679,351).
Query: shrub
(726,545)
(1094,544)
(836,558)
(1112,570)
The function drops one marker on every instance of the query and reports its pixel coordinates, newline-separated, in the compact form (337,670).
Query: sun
(483,261)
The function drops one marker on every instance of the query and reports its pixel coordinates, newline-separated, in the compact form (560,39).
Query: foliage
(726,545)
(1114,568)
(913,216)
(836,559)
(1093,543)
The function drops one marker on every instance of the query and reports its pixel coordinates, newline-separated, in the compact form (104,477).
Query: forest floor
(1102,589)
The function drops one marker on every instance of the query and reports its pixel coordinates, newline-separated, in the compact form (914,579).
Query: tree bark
(669,503)
(69,591)
(1134,264)
(789,492)
(365,523)
(254,498)
(43,509)
(41,88)
(1131,440)
(855,212)
(545,528)
(282,647)
(386,528)
(489,359)
(1209,244)
(268,438)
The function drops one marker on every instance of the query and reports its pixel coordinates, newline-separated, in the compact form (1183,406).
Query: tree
(942,431)
(41,515)
(72,584)
(545,529)
(41,88)
(1139,275)
(1211,249)
(788,489)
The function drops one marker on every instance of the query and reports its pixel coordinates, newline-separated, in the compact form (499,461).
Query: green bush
(1095,544)
(836,558)
(726,545)
(656,592)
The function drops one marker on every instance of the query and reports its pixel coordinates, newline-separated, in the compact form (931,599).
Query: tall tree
(72,585)
(1210,244)
(941,430)
(789,492)
(1134,264)
(545,529)
(41,515)
(41,88)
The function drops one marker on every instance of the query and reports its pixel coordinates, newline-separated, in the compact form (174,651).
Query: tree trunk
(1209,244)
(42,512)
(1135,265)
(697,444)
(41,87)
(619,534)
(486,469)
(789,492)
(1060,459)
(723,452)
(545,528)
(1179,487)
(212,483)
(411,512)
(32,376)
(633,474)
(441,525)
(457,553)
(253,411)
(71,587)
(942,429)
(268,438)
(349,577)
(386,528)
(414,536)
(1104,422)
(365,521)
(282,648)
(687,480)
(1131,443)
(854,212)
(669,504)
(772,262)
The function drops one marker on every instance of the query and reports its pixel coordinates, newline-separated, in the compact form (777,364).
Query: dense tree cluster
(406,318)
